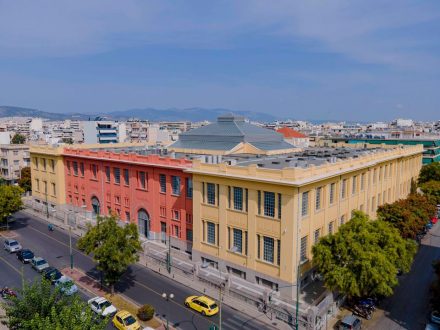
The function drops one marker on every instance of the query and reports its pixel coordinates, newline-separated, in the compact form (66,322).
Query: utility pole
(70,246)
(220,306)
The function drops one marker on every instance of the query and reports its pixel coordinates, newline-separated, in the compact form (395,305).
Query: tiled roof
(290,133)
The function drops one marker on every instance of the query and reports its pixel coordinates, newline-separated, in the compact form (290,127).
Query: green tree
(25,181)
(39,306)
(432,189)
(114,247)
(18,139)
(408,215)
(363,257)
(10,201)
(430,172)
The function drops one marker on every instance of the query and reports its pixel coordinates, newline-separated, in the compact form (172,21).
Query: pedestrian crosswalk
(236,322)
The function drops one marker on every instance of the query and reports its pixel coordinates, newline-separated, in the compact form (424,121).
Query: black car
(25,256)
(52,274)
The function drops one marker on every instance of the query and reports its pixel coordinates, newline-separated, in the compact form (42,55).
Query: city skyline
(304,60)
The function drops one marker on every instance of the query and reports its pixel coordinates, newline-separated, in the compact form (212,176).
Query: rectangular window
(163,183)
(258,247)
(354,185)
(118,200)
(75,168)
(67,164)
(269,204)
(107,173)
(374,175)
(126,176)
(127,216)
(37,184)
(318,198)
(332,193)
(362,181)
(211,193)
(211,232)
(305,204)
(330,228)
(259,202)
(268,249)
(142,180)
(117,175)
(373,204)
(229,197)
(176,231)
(81,169)
(342,219)
(245,242)
(189,235)
(175,185)
(36,164)
(189,188)
(246,196)
(238,240)
(280,205)
(44,164)
(176,215)
(163,211)
(317,235)
(52,165)
(238,198)
(278,252)
(344,188)
(303,249)
(94,171)
(54,190)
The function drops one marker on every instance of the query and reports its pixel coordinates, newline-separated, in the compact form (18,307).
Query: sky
(299,59)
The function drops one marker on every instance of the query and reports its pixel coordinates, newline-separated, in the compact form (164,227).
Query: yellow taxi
(202,304)
(123,320)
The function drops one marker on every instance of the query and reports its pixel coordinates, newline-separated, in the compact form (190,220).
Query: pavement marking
(10,265)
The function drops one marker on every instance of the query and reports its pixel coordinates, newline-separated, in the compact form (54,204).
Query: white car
(66,285)
(11,245)
(39,264)
(102,306)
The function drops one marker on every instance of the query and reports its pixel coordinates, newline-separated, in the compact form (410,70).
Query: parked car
(202,304)
(25,256)
(123,320)
(102,306)
(52,274)
(11,245)
(39,264)
(350,322)
(66,285)
(435,317)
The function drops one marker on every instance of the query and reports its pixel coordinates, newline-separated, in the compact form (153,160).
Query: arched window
(95,206)
(143,223)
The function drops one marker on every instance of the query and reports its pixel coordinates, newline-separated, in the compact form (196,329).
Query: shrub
(145,312)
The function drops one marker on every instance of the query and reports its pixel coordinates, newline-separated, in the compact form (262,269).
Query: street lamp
(297,300)
(206,264)
(167,297)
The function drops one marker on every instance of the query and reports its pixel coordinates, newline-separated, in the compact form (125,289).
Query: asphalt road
(408,308)
(139,283)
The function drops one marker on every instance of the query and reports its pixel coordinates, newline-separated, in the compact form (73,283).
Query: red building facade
(152,191)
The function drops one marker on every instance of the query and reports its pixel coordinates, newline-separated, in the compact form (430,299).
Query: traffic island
(119,301)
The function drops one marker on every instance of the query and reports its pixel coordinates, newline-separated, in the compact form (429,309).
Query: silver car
(39,264)
(11,245)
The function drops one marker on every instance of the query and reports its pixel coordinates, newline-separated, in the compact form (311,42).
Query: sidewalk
(2,314)
(189,280)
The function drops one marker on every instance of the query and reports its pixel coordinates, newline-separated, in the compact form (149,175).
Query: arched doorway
(95,206)
(144,223)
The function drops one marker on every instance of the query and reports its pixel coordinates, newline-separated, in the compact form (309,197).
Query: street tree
(25,181)
(408,215)
(363,257)
(18,139)
(430,172)
(432,189)
(39,306)
(10,201)
(114,247)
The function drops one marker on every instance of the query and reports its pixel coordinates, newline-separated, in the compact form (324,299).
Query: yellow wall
(49,175)
(402,165)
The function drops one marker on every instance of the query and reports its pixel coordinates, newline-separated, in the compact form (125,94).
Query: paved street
(408,308)
(140,284)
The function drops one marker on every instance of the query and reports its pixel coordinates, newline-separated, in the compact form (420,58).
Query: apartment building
(13,158)
(258,219)
(104,131)
(147,189)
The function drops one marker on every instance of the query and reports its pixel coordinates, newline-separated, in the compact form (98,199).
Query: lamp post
(297,299)
(167,297)
(206,264)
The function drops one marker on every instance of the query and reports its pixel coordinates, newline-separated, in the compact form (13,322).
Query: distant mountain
(191,114)
(10,111)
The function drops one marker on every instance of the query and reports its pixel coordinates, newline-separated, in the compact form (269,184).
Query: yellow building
(259,218)
(47,172)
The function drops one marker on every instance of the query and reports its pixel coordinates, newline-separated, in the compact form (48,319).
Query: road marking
(10,265)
